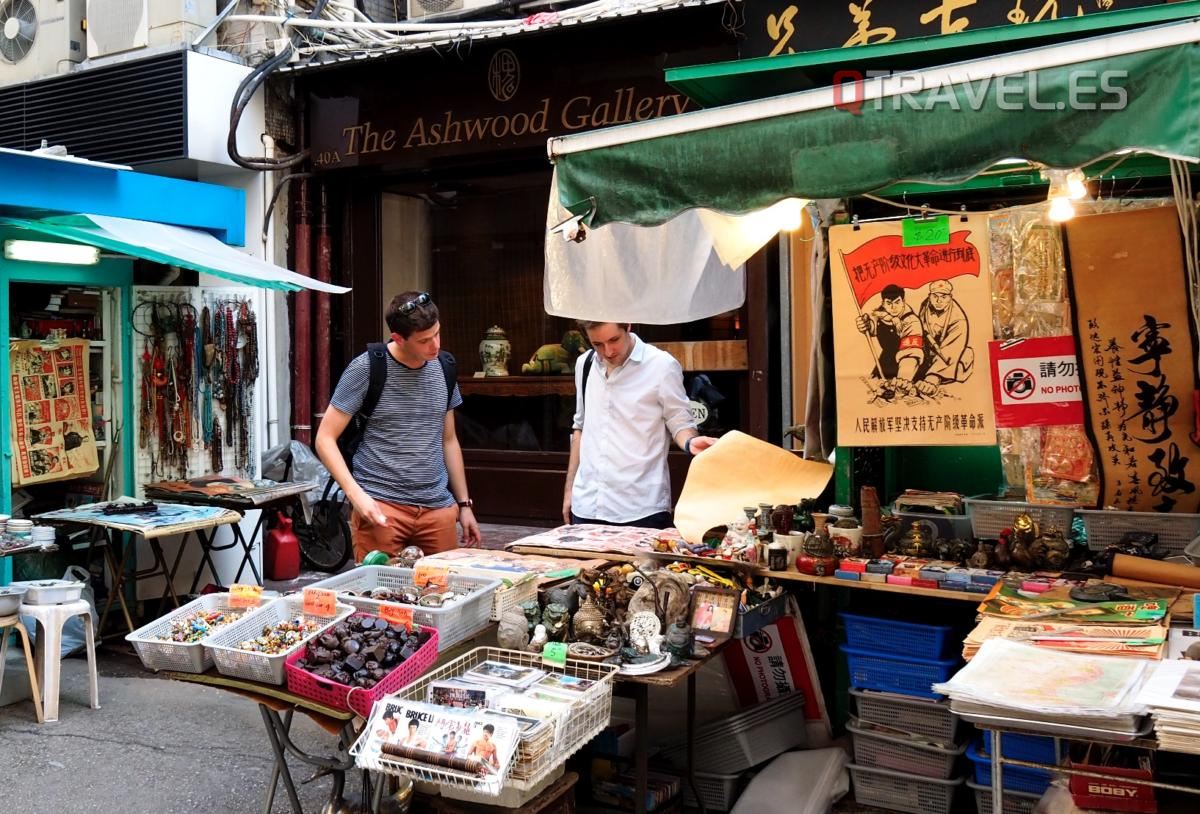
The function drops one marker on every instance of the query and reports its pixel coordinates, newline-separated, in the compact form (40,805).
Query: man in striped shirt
(407,482)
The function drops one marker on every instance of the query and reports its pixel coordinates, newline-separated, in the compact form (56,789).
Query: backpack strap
(450,371)
(587,371)
(377,354)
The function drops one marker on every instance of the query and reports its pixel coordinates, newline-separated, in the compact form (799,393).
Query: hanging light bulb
(1061,209)
(1076,185)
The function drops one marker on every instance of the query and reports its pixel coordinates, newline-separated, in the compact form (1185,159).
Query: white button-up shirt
(630,417)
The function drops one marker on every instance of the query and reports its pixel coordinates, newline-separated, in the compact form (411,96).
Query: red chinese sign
(1035,382)
(886,261)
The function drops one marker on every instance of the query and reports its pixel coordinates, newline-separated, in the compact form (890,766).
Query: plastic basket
(508,597)
(931,719)
(907,639)
(990,517)
(718,791)
(233,661)
(1105,528)
(184,657)
(872,671)
(882,751)
(358,699)
(756,618)
(1030,748)
(1015,802)
(589,716)
(901,792)
(751,737)
(1016,778)
(455,622)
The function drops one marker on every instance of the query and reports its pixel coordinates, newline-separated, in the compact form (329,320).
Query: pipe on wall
(302,334)
(324,318)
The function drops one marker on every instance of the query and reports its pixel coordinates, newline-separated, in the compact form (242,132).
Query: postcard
(558,682)
(499,672)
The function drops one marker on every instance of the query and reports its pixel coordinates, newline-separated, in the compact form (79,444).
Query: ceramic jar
(494,352)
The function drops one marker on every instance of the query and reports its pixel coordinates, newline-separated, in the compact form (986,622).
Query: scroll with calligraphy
(911,330)
(1138,356)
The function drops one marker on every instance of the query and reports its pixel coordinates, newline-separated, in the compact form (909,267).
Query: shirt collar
(639,349)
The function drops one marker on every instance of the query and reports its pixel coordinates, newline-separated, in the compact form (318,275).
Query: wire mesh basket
(1105,528)
(990,517)
(454,622)
(932,719)
(883,751)
(751,737)
(897,791)
(510,596)
(158,653)
(231,660)
(587,717)
(1015,802)
(718,791)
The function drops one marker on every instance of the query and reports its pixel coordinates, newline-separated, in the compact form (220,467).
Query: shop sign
(1035,382)
(776,27)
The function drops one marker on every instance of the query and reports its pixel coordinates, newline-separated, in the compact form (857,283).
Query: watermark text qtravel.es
(855,91)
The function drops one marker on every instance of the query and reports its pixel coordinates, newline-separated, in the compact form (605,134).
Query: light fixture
(1076,185)
(41,251)
(1061,209)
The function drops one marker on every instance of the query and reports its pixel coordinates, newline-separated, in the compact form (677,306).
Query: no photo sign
(1035,382)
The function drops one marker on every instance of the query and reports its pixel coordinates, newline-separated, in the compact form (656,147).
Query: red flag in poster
(885,261)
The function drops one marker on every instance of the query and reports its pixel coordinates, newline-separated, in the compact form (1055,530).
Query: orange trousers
(432,530)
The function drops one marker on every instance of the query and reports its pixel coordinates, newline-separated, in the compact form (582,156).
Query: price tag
(320,602)
(245,596)
(554,654)
(397,614)
(431,575)
(926,231)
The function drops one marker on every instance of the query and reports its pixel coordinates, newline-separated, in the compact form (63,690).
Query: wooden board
(504,386)
(720,354)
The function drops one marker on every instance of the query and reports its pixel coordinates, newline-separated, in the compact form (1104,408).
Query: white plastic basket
(454,622)
(1105,528)
(746,739)
(882,751)
(718,791)
(507,597)
(1015,802)
(185,657)
(589,715)
(233,661)
(920,716)
(897,791)
(990,517)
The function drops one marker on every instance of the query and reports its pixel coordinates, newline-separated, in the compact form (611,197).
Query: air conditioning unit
(39,38)
(428,9)
(385,11)
(116,26)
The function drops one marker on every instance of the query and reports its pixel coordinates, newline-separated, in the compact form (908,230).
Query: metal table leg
(691,742)
(247,558)
(116,568)
(997,775)
(270,720)
(206,549)
(641,747)
(287,725)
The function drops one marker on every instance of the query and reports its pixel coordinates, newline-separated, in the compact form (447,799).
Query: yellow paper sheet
(740,471)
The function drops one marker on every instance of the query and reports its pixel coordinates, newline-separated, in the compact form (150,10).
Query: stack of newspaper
(1130,641)
(1173,695)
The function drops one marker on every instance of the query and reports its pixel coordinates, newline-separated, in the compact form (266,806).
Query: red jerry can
(281,554)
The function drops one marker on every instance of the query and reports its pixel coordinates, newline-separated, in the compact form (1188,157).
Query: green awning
(170,245)
(1043,105)
(742,80)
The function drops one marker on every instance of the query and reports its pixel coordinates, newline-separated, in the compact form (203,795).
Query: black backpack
(377,354)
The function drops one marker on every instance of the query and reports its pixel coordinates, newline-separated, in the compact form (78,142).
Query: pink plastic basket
(357,699)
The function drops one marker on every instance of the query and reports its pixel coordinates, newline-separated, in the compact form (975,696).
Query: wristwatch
(466,504)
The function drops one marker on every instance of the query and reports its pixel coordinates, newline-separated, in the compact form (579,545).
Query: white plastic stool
(15,622)
(50,621)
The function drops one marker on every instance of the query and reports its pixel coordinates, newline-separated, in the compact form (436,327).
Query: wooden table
(639,688)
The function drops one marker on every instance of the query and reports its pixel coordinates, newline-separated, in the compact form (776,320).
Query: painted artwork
(912,321)
(50,415)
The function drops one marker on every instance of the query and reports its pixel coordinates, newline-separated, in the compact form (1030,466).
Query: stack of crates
(907,745)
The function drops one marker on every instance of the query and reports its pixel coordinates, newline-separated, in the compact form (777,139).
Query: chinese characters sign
(1035,382)
(51,418)
(911,332)
(787,27)
(1137,356)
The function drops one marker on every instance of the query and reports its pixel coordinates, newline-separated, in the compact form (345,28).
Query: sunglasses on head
(415,303)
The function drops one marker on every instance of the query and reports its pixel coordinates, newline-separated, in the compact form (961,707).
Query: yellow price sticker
(397,614)
(320,602)
(436,575)
(245,596)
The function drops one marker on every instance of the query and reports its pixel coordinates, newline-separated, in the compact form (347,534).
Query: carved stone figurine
(980,558)
(533,614)
(513,632)
(567,595)
(678,642)
(1053,549)
(539,639)
(557,622)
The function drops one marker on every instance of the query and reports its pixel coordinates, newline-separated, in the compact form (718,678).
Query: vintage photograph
(499,672)
(557,682)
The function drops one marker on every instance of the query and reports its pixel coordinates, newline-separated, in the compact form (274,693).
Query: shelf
(714,355)
(503,386)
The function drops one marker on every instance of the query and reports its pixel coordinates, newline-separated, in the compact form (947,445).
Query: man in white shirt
(632,405)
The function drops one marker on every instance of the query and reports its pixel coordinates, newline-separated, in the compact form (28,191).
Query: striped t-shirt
(401,458)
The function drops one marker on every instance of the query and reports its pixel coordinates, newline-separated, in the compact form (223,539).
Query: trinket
(644,632)
(195,626)
(914,543)
(361,651)
(589,621)
(512,633)
(557,622)
(282,636)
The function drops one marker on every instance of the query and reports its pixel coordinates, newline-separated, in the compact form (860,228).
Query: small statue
(567,595)
(914,543)
(555,360)
(533,614)
(1024,529)
(513,632)
(557,621)
(1052,549)
(589,621)
(644,632)
(539,639)
(1020,554)
(615,639)
(980,558)
(782,517)
(678,642)
(1003,555)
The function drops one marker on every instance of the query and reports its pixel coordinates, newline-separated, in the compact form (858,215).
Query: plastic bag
(73,632)
(306,468)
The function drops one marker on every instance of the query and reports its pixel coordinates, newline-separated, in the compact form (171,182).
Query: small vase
(494,352)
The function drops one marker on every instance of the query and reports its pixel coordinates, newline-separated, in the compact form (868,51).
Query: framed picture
(714,612)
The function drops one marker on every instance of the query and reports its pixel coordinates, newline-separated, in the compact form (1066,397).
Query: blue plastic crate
(1031,748)
(1016,778)
(870,670)
(906,639)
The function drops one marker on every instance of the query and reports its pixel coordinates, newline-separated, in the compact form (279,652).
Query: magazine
(473,744)
(499,672)
(539,705)
(1145,605)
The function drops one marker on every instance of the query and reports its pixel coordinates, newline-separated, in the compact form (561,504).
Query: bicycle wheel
(325,543)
